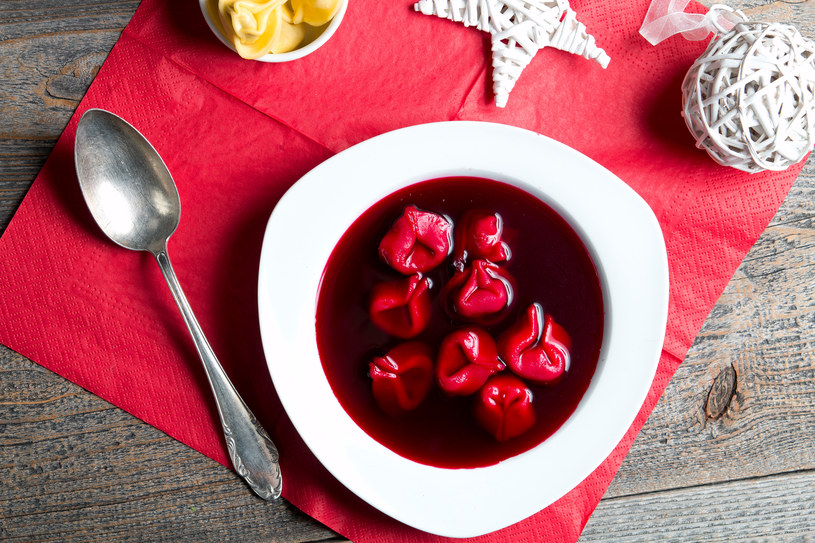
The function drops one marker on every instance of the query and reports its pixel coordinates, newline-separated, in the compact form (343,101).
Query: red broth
(550,265)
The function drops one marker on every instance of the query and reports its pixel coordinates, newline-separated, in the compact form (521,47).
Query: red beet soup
(549,265)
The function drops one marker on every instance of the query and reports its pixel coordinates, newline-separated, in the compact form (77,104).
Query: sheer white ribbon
(666,18)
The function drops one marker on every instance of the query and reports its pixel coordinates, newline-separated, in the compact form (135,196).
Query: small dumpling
(479,234)
(418,241)
(466,359)
(481,293)
(402,307)
(291,34)
(536,347)
(401,379)
(503,407)
(315,12)
(255,26)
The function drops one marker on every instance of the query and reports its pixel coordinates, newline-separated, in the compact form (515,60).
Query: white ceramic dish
(315,37)
(618,228)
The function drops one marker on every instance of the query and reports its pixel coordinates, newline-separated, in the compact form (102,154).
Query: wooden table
(728,453)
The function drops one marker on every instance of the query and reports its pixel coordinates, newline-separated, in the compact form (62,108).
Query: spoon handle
(252,452)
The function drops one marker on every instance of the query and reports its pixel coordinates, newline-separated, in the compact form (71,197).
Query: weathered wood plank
(75,468)
(26,19)
(799,12)
(777,508)
(49,53)
(50,50)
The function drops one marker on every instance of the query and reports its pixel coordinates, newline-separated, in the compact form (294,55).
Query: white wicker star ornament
(518,29)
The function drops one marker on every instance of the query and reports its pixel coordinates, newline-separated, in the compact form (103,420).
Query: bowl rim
(635,299)
(329,30)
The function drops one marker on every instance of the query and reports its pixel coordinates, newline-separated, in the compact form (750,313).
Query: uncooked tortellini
(257,28)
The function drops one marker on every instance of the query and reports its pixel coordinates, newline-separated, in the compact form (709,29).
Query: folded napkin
(236,134)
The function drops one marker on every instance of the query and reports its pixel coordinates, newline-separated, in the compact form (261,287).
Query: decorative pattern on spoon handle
(264,490)
(252,452)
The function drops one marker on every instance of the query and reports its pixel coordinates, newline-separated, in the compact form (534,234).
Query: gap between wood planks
(714,484)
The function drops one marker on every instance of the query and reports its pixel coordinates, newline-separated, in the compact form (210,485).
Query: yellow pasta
(315,12)
(255,25)
(257,28)
(291,35)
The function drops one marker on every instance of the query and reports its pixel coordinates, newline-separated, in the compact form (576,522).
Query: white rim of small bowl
(599,206)
(300,52)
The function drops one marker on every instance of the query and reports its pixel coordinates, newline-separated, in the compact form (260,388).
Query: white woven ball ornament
(749,100)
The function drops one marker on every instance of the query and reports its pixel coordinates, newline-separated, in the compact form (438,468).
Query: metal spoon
(134,200)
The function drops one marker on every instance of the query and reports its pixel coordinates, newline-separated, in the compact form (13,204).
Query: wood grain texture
(77,469)
(50,51)
(771,508)
(728,454)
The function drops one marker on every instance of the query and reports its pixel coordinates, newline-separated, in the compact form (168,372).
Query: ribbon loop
(666,18)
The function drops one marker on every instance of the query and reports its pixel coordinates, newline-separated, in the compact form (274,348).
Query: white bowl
(315,37)
(623,238)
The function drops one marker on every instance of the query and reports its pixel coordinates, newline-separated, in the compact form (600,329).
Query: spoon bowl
(133,198)
(126,184)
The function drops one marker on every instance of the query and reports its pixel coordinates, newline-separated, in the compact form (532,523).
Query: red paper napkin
(236,134)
